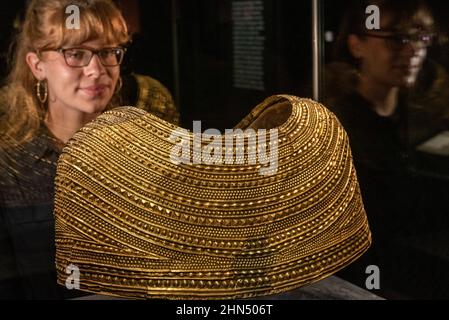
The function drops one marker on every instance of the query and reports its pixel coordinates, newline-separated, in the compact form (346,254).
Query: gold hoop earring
(42,96)
(119,85)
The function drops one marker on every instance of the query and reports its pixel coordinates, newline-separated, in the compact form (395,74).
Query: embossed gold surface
(136,225)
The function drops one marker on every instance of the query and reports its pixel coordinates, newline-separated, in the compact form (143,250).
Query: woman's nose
(95,67)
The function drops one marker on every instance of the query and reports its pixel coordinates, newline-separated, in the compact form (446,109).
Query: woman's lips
(95,90)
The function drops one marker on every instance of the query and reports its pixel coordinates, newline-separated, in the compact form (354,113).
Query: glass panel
(390,89)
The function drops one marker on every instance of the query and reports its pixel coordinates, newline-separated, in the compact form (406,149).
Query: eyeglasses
(398,41)
(81,57)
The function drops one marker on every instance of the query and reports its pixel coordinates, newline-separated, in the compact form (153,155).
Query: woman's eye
(75,54)
(107,53)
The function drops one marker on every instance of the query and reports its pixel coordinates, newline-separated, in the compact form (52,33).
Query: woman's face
(387,61)
(85,89)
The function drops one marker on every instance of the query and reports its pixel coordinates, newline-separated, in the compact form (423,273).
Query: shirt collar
(45,145)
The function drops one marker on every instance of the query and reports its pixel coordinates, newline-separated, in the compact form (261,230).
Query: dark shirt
(378,143)
(380,151)
(26,192)
(399,203)
(399,200)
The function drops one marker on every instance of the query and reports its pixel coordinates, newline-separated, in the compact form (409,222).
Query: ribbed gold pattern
(137,225)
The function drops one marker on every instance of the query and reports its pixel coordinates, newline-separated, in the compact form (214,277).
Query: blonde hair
(44,27)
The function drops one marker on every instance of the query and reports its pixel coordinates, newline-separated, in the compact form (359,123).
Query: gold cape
(136,225)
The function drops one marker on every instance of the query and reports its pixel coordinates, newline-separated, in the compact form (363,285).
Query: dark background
(204,40)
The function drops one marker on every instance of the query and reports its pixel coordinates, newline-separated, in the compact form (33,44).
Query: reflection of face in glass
(389,56)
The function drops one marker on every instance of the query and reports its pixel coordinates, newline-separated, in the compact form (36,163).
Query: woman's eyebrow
(91,47)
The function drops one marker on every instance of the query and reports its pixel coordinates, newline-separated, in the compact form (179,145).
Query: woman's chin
(403,81)
(408,82)
(93,107)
